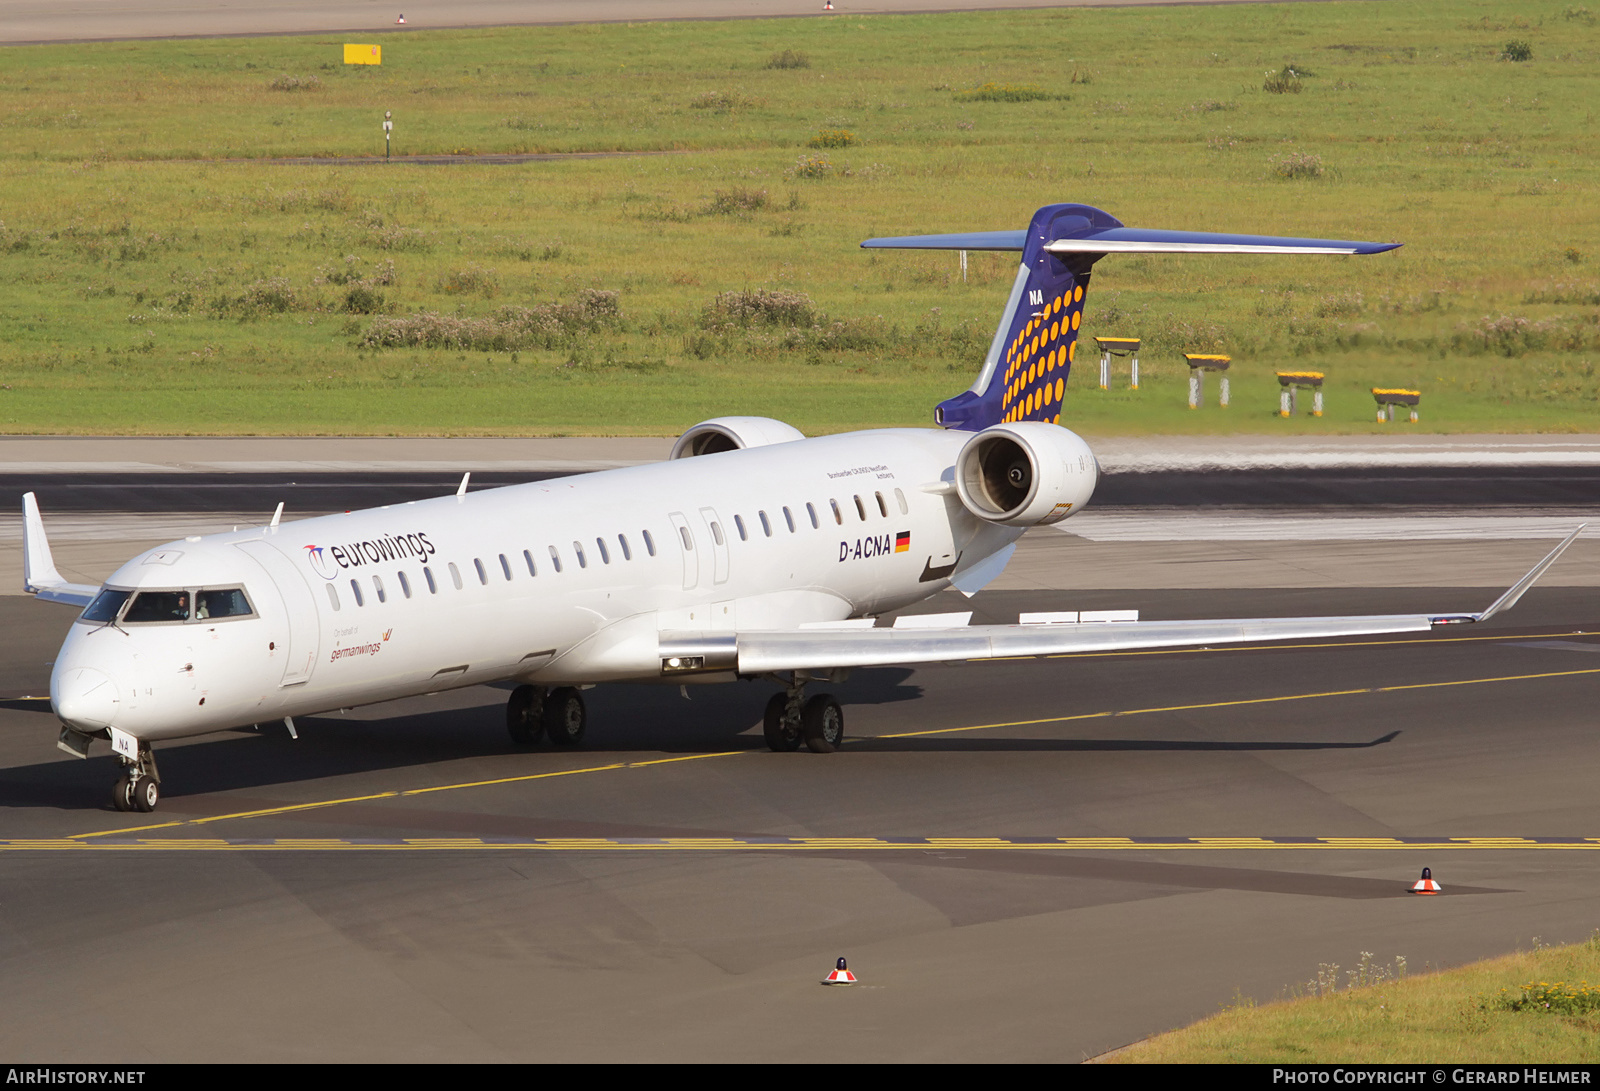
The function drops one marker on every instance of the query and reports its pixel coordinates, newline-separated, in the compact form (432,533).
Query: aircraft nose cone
(83,697)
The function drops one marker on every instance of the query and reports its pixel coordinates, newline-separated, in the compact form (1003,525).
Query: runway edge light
(840,975)
(1426,885)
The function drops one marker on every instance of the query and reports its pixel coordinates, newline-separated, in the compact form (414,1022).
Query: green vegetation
(161,279)
(1531,1007)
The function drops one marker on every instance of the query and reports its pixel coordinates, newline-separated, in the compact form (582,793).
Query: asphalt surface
(443,911)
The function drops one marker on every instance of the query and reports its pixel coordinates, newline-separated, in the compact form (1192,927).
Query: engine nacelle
(732,434)
(1025,474)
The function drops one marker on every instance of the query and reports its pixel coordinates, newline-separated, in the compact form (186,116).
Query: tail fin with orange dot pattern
(1025,373)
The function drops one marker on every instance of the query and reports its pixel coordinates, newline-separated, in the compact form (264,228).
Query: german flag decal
(902,541)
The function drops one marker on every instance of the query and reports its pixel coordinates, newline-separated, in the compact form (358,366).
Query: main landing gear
(139,786)
(557,714)
(791,720)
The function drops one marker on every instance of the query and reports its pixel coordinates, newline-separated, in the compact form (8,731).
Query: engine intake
(1025,474)
(732,434)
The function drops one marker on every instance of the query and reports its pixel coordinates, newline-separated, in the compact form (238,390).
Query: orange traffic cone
(400,22)
(1426,885)
(840,975)
(827,5)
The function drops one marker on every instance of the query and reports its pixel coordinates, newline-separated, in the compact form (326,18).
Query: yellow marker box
(363,54)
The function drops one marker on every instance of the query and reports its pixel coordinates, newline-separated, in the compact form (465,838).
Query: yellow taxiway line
(613,766)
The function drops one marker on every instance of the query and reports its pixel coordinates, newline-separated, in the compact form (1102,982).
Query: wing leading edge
(766,652)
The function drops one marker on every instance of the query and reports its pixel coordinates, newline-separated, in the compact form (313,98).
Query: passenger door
(300,609)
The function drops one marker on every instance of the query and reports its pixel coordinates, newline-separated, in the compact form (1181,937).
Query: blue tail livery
(1025,372)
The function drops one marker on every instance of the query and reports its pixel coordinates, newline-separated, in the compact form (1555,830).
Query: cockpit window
(219,604)
(151,606)
(105,606)
(158,607)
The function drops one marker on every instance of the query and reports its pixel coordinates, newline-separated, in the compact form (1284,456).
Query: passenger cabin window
(483,575)
(838,516)
(622,540)
(528,556)
(583,562)
(355,589)
(377,585)
(605,555)
(766,526)
(405,584)
(153,606)
(738,521)
(555,558)
(649,543)
(505,566)
(883,508)
(900,498)
(455,574)
(812,511)
(333,595)
(788,518)
(861,509)
(105,606)
(427,574)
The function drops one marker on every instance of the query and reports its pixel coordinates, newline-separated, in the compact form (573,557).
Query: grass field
(152,286)
(1530,1007)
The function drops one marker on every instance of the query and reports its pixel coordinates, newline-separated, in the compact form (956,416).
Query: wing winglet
(1515,592)
(38,567)
(39,574)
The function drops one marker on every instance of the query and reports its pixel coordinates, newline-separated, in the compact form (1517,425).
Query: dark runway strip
(1465,488)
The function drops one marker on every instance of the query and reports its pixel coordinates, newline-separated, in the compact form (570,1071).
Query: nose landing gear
(139,786)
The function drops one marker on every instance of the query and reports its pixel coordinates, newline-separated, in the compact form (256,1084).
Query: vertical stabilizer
(1025,373)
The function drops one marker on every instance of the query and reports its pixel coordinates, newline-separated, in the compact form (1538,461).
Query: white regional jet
(751,552)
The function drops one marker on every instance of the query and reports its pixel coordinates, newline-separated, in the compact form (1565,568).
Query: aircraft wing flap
(761,652)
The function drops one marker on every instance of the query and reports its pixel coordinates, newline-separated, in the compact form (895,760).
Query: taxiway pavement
(402,884)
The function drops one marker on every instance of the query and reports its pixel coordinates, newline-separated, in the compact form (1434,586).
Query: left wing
(822,649)
(39,575)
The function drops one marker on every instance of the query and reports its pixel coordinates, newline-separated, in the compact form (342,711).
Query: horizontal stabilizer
(1138,240)
(1134,240)
(969,240)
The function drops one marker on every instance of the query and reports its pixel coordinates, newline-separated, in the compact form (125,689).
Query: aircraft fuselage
(560,582)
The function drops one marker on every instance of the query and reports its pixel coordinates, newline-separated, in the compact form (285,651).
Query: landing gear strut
(790,719)
(139,786)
